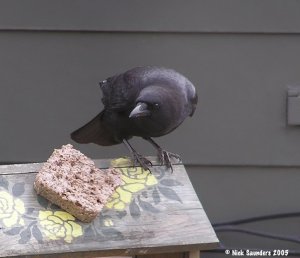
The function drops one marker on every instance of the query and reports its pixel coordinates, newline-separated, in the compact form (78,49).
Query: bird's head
(148,103)
(143,109)
(156,111)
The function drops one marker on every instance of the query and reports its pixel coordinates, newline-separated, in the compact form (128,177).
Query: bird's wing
(120,92)
(94,131)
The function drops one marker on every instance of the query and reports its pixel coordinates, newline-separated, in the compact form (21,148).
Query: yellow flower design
(59,225)
(108,223)
(134,180)
(11,210)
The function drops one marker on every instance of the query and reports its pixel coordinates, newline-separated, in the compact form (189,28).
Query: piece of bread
(71,180)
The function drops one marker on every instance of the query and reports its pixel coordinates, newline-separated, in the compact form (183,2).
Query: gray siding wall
(241,55)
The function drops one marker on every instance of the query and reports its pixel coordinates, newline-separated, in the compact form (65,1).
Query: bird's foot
(139,159)
(165,158)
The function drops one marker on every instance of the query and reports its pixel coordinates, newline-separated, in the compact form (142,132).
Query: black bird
(144,101)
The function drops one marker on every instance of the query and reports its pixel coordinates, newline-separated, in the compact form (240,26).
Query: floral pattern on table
(141,191)
(59,225)
(11,210)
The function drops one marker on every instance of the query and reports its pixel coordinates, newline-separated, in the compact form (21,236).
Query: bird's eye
(155,106)
(102,83)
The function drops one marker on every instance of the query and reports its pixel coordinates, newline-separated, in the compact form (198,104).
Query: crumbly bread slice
(71,180)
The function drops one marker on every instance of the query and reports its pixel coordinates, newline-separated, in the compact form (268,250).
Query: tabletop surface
(150,213)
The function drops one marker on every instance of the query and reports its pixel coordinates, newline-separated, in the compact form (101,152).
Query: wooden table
(149,215)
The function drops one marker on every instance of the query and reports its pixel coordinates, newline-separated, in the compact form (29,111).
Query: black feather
(168,96)
(94,131)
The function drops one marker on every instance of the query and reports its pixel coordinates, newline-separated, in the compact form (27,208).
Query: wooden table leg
(163,255)
(191,254)
(194,254)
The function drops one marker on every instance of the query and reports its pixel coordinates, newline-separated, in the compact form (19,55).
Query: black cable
(229,226)
(258,233)
(257,218)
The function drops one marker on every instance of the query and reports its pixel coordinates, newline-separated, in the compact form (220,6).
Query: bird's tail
(194,102)
(94,132)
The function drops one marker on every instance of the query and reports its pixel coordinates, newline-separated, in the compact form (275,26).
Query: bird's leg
(137,158)
(163,155)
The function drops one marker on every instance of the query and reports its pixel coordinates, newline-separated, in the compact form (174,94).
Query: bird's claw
(138,159)
(165,158)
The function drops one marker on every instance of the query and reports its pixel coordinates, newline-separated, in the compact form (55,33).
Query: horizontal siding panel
(49,87)
(235,16)
(230,193)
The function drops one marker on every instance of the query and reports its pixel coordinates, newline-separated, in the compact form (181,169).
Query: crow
(144,101)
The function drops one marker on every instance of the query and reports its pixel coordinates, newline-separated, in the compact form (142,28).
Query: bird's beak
(141,109)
